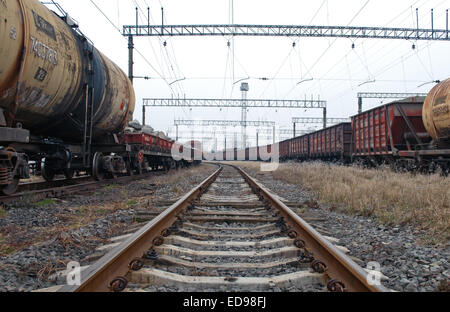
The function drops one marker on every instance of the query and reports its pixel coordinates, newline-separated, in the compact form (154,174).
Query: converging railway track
(228,234)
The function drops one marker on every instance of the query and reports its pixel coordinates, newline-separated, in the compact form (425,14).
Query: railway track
(227,234)
(65,187)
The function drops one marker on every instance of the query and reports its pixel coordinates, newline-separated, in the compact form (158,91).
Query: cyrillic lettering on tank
(44,26)
(43,51)
(40,74)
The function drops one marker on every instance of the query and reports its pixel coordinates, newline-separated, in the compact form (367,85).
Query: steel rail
(339,267)
(98,277)
(40,185)
(61,190)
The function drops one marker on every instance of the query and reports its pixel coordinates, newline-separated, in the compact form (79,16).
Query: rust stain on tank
(43,70)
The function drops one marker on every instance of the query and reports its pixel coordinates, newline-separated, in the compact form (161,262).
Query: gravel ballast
(39,238)
(408,264)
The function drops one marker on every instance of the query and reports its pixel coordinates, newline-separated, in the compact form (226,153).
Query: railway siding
(39,237)
(407,259)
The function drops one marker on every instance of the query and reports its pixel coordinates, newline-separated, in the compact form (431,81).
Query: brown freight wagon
(284,149)
(299,148)
(379,134)
(333,143)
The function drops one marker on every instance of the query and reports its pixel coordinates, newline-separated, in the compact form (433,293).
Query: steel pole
(143,115)
(130,57)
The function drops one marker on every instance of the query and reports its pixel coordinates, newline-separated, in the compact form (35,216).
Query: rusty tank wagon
(63,104)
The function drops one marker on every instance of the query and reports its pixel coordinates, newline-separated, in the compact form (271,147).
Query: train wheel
(69,173)
(11,188)
(130,170)
(48,173)
(139,169)
(97,168)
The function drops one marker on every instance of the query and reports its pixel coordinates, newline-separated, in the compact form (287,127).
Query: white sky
(206,64)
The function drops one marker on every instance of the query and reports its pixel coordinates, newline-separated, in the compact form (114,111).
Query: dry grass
(394,198)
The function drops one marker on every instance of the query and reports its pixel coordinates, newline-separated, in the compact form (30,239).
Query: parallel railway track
(65,187)
(228,234)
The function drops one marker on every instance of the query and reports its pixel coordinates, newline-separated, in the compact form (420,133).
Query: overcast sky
(337,70)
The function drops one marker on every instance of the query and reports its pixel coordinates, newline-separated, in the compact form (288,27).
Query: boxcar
(333,143)
(381,133)
(299,148)
(284,149)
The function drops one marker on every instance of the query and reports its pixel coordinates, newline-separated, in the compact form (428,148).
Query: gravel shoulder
(409,264)
(39,238)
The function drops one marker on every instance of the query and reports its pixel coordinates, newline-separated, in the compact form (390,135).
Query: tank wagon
(410,134)
(63,104)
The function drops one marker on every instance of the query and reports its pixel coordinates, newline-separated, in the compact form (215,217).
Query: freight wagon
(411,134)
(63,104)
(332,144)
(381,133)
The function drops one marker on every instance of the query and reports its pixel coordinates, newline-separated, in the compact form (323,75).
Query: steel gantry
(234,103)
(223,123)
(227,103)
(316,120)
(352,32)
(384,95)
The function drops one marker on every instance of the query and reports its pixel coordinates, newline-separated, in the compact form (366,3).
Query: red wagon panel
(284,149)
(389,128)
(331,143)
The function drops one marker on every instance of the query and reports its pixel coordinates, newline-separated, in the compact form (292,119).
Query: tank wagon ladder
(89,107)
